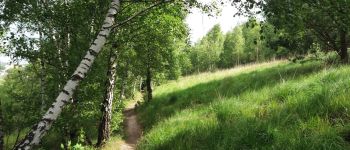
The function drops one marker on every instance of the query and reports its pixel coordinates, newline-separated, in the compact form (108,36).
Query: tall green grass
(282,106)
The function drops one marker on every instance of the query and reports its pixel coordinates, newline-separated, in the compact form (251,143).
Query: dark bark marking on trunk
(86,65)
(92,52)
(107,27)
(42,128)
(102,35)
(47,120)
(34,126)
(89,60)
(65,92)
(79,72)
(76,77)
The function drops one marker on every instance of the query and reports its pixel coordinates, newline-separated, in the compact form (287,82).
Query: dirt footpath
(132,129)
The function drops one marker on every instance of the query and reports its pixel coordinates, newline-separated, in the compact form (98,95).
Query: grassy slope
(275,105)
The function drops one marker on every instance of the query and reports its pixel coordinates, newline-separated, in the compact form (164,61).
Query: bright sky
(4,59)
(200,23)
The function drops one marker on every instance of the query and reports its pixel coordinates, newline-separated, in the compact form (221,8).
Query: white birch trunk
(39,129)
(104,130)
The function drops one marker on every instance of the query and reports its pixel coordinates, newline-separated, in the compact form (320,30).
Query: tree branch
(140,13)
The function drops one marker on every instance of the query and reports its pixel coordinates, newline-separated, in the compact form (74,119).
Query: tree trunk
(134,86)
(73,129)
(123,84)
(105,124)
(140,85)
(42,85)
(257,54)
(343,51)
(237,59)
(122,91)
(40,129)
(148,84)
(121,94)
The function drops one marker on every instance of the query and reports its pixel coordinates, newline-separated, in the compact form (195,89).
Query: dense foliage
(326,20)
(250,42)
(53,51)
(149,45)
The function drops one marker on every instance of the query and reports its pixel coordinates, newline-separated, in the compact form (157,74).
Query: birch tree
(39,130)
(205,54)
(232,49)
(157,48)
(104,127)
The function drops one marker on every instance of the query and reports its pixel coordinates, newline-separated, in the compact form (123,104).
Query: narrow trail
(132,129)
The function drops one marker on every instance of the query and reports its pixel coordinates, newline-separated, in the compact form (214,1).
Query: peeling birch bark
(40,129)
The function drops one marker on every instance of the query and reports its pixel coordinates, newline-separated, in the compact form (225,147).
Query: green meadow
(275,105)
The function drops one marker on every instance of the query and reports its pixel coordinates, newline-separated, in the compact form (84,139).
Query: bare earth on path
(132,128)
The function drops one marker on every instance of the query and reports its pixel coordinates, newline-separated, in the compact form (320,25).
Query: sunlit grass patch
(286,106)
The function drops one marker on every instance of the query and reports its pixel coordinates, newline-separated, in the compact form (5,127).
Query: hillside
(276,105)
